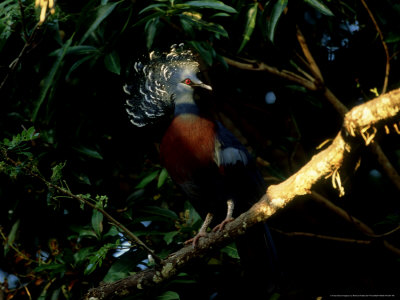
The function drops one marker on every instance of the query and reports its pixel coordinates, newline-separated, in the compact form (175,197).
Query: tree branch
(322,166)
(384,45)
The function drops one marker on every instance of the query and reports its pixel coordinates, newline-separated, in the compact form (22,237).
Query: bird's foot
(195,239)
(221,226)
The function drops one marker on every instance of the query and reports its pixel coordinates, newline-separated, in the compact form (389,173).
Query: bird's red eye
(188,81)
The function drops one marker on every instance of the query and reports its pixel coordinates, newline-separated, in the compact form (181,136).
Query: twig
(260,66)
(21,8)
(310,59)
(323,237)
(387,70)
(66,192)
(359,225)
(28,43)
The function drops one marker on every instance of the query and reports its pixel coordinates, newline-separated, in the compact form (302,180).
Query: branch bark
(323,165)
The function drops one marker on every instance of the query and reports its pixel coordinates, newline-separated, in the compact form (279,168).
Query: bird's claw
(221,226)
(195,239)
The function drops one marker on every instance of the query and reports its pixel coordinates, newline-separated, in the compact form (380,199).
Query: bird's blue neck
(186,108)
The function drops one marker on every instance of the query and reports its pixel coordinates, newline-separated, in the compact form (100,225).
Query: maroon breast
(188,146)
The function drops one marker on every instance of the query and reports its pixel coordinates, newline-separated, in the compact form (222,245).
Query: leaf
(78,63)
(276,13)
(124,265)
(111,61)
(250,24)
(217,5)
(56,175)
(156,7)
(103,12)
(83,232)
(205,50)
(83,254)
(89,152)
(169,236)
(168,295)
(162,177)
(155,210)
(49,79)
(151,29)
(145,181)
(322,8)
(11,236)
(231,250)
(97,222)
(112,232)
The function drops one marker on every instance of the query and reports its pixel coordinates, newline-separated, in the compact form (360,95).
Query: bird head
(166,80)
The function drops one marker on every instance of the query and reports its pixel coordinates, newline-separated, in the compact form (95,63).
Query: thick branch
(323,165)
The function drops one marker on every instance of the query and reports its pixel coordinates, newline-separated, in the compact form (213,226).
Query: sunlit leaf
(250,24)
(322,8)
(276,13)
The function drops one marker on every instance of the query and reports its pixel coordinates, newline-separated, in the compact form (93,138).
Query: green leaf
(112,232)
(97,222)
(322,8)
(57,175)
(149,17)
(83,254)
(250,24)
(78,63)
(124,265)
(89,152)
(276,13)
(83,232)
(156,7)
(11,236)
(111,61)
(231,250)
(54,266)
(162,177)
(206,51)
(145,181)
(168,295)
(194,215)
(151,30)
(217,5)
(103,12)
(169,236)
(50,77)
(155,210)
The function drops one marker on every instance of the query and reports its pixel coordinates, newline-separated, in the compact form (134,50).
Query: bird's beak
(205,86)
